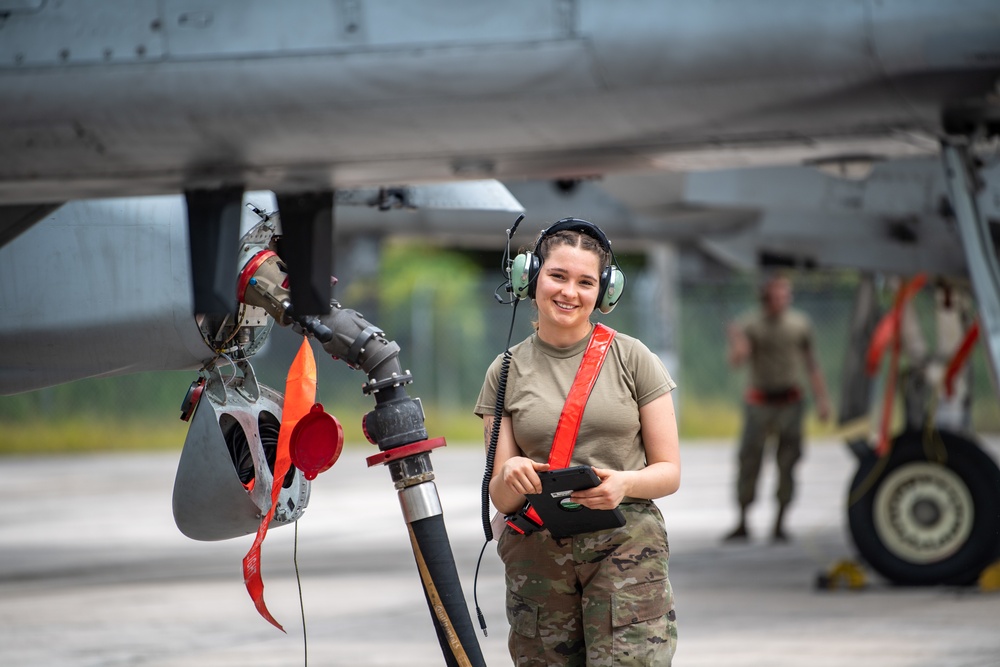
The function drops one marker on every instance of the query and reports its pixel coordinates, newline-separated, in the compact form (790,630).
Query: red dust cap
(316,442)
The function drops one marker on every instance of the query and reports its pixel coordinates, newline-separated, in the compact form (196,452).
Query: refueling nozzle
(263,283)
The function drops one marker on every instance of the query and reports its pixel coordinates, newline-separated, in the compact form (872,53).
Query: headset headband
(576,225)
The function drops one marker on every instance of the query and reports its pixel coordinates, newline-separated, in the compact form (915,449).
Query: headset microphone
(506,263)
(510,232)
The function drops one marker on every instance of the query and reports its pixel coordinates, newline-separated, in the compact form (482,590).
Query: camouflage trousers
(759,422)
(598,599)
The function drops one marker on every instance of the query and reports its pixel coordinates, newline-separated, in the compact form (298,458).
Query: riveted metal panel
(82,32)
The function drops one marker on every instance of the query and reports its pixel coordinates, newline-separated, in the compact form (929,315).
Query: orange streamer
(300,394)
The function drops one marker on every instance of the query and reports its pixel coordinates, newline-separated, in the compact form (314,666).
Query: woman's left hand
(608,494)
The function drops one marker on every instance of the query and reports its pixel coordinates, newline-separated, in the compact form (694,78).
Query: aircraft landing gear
(929,512)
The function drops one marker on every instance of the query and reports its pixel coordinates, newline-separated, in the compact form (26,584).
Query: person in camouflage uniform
(602,597)
(596,599)
(777,341)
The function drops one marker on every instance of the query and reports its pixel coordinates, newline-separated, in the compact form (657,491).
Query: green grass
(112,433)
(82,434)
(102,434)
(716,418)
(708,419)
(87,434)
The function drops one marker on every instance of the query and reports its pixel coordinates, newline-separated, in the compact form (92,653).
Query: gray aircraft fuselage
(105,99)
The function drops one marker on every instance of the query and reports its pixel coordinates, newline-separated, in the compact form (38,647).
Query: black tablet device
(563,517)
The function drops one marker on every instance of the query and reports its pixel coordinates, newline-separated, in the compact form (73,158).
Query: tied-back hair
(573,239)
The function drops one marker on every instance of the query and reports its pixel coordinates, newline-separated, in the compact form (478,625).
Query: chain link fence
(447,343)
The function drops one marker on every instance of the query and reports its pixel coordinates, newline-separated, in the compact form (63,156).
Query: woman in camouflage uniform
(603,597)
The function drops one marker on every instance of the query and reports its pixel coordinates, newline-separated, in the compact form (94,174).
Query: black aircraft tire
(921,523)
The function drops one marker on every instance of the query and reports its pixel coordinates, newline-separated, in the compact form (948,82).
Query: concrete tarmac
(93,573)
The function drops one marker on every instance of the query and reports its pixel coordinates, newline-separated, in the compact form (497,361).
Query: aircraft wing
(896,220)
(170,97)
(213,99)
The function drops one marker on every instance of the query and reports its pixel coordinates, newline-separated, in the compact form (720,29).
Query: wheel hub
(923,512)
(926,513)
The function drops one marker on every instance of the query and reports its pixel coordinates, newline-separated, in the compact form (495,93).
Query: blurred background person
(778,342)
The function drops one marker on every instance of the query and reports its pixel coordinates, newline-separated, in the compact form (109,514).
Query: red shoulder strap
(572,413)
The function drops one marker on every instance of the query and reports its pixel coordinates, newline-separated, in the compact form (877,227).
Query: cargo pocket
(524,642)
(522,614)
(644,626)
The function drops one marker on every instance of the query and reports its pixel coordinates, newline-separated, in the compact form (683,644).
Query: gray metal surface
(94,573)
(176,95)
(896,220)
(975,228)
(103,287)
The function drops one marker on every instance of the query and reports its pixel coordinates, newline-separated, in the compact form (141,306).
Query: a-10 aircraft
(330,104)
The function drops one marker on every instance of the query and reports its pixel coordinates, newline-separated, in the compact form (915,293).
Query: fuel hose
(444,593)
(396,425)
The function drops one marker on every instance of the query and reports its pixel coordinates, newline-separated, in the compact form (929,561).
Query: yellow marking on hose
(436,604)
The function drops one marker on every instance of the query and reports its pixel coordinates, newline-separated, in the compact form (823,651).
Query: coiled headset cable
(491,448)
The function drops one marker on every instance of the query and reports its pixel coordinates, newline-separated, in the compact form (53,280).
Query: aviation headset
(526,266)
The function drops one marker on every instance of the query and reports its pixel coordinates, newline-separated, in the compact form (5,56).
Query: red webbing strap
(572,413)
(887,334)
(300,395)
(958,360)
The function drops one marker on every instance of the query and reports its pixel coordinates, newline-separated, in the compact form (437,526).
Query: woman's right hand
(520,474)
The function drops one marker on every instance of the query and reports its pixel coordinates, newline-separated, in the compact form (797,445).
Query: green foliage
(430,297)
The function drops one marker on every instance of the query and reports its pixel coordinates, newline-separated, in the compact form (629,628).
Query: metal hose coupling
(397,419)
(356,341)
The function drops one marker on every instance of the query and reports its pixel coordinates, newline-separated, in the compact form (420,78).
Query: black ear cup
(523,273)
(612,286)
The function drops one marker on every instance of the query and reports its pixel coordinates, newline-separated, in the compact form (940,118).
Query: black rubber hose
(396,422)
(443,592)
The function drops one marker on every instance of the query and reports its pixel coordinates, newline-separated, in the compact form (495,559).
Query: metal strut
(980,253)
